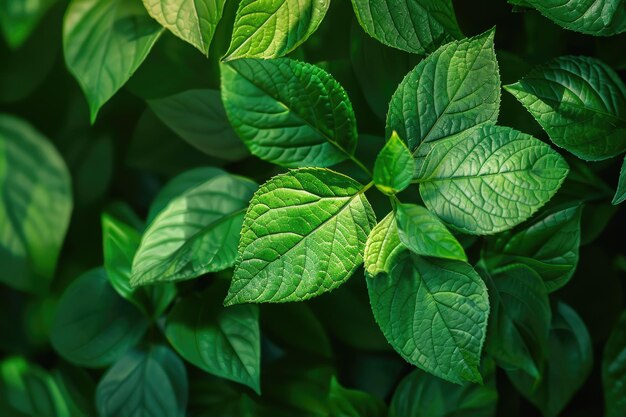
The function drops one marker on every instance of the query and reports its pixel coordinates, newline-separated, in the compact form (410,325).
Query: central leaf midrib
(478,176)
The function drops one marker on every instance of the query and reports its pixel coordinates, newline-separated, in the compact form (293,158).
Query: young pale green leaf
(548,245)
(19,18)
(383,246)
(35,206)
(196,233)
(417,26)
(93,325)
(316,126)
(273,28)
(620,193)
(151,383)
(303,235)
(424,234)
(614,370)
(104,42)
(489,179)
(198,117)
(344,402)
(223,341)
(434,313)
(456,88)
(393,170)
(580,102)
(194,21)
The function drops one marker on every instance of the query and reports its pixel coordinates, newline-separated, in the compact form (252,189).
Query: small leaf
(620,193)
(383,246)
(393,170)
(273,28)
(303,235)
(614,370)
(345,402)
(18,19)
(424,234)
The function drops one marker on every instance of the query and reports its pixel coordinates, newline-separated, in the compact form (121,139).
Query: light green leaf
(35,206)
(434,313)
(93,325)
(393,170)
(273,28)
(620,193)
(344,402)
(316,126)
(614,370)
(454,89)
(594,17)
(18,19)
(104,42)
(418,26)
(198,117)
(194,21)
(383,246)
(580,102)
(223,341)
(490,179)
(424,234)
(303,235)
(151,383)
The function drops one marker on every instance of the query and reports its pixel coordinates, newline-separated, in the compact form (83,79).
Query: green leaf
(194,21)
(223,341)
(196,233)
(383,246)
(549,245)
(104,42)
(198,117)
(456,88)
(490,179)
(345,402)
(580,102)
(303,235)
(273,28)
(599,18)
(151,383)
(35,206)
(417,26)
(19,18)
(393,170)
(424,234)
(620,193)
(93,326)
(315,127)
(77,388)
(434,313)
(614,370)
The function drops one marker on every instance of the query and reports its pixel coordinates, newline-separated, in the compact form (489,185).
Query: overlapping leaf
(383,246)
(393,169)
(614,370)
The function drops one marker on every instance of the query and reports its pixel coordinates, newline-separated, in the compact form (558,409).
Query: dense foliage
(310,208)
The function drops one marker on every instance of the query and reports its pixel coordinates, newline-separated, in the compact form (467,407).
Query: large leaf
(196,233)
(383,246)
(580,102)
(303,234)
(418,26)
(434,313)
(104,42)
(224,341)
(18,19)
(614,370)
(490,179)
(273,28)
(151,383)
(289,112)
(193,21)
(393,169)
(620,193)
(93,325)
(35,205)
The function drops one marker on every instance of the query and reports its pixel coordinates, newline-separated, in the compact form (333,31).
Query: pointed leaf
(393,170)
(344,402)
(595,17)
(19,18)
(620,193)
(383,246)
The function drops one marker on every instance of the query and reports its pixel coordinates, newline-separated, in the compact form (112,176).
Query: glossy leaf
(393,169)
(19,18)
(383,246)
(620,193)
(303,235)
(600,18)
(614,370)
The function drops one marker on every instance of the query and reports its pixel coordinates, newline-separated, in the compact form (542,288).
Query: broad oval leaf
(223,341)
(195,233)
(620,193)
(614,370)
(383,246)
(434,314)
(393,170)
(273,28)
(289,112)
(580,102)
(490,179)
(144,383)
(303,235)
(104,42)
(93,326)
(417,26)
(35,206)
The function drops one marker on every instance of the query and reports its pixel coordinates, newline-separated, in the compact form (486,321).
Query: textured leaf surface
(620,193)
(289,112)
(383,246)
(303,235)
(35,205)
(580,102)
(18,19)
(273,28)
(594,17)
(104,42)
(434,313)
(490,179)
(393,169)
(614,370)
(418,26)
